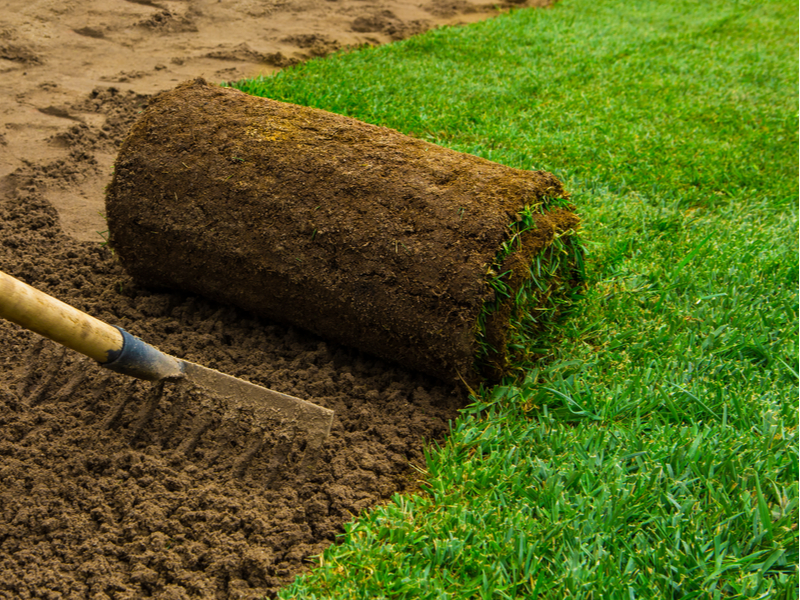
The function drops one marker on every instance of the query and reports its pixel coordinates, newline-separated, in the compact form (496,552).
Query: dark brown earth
(357,233)
(105,493)
(109,489)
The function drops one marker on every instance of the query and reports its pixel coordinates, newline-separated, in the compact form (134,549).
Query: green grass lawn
(654,453)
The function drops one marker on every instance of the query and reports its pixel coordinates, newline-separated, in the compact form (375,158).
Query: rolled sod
(415,253)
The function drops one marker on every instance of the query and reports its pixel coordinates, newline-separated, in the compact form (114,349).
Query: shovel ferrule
(141,360)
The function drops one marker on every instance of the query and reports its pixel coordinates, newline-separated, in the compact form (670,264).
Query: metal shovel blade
(265,405)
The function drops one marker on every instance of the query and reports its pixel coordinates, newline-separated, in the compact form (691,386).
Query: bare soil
(115,489)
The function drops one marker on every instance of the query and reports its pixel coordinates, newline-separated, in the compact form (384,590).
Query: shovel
(117,350)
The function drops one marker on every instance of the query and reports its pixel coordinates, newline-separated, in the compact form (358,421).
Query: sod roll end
(435,259)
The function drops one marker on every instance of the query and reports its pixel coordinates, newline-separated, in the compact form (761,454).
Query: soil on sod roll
(354,232)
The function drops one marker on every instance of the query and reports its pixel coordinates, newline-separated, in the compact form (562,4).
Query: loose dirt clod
(357,233)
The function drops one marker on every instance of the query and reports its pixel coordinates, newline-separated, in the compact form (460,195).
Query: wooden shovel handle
(57,321)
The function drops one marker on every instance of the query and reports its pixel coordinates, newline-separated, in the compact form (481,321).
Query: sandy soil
(118,489)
